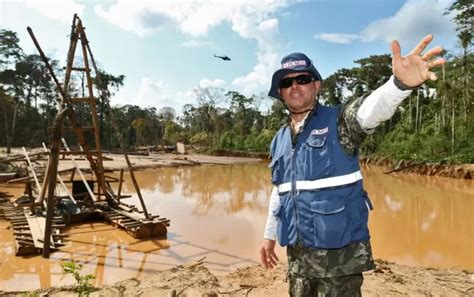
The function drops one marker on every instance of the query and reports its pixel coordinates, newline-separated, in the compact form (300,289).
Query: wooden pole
(120,185)
(84,43)
(52,172)
(32,169)
(61,180)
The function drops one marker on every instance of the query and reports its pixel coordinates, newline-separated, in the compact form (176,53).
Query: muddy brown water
(219,212)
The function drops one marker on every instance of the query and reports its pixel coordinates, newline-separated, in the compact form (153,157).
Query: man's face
(300,95)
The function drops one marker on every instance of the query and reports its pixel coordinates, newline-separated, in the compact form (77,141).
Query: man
(318,207)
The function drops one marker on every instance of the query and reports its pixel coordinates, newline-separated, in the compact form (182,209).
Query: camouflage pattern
(307,262)
(348,285)
(350,132)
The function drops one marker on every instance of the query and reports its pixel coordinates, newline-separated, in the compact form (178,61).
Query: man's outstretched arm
(360,117)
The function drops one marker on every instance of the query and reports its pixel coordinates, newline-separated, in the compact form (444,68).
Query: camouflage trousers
(333,272)
(340,286)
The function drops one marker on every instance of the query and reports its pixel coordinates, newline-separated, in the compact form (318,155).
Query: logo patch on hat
(319,131)
(293,64)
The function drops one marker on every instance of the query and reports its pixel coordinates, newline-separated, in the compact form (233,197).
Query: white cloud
(206,83)
(61,10)
(251,19)
(415,19)
(337,37)
(144,17)
(153,93)
(197,43)
(267,57)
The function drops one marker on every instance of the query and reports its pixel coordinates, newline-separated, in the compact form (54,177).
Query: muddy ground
(194,279)
(464,171)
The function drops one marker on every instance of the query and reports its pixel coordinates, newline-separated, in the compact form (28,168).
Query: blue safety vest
(322,200)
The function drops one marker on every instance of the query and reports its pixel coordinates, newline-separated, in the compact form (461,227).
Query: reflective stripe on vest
(335,181)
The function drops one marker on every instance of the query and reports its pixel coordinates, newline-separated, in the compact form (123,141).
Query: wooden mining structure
(39,217)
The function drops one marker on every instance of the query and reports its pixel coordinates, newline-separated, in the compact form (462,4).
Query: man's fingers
(272,262)
(432,52)
(422,45)
(436,62)
(396,50)
(263,257)
(275,256)
(432,76)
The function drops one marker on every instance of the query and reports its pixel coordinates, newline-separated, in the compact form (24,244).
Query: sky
(165,48)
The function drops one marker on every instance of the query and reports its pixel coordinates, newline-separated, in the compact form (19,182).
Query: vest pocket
(331,223)
(316,141)
(316,161)
(276,168)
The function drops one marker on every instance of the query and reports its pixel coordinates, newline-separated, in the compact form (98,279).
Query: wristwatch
(403,86)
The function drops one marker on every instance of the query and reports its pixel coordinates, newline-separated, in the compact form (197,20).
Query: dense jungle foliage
(434,124)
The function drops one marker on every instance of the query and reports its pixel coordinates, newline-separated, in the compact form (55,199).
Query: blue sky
(165,48)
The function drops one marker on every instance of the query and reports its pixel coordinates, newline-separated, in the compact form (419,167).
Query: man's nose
(294,83)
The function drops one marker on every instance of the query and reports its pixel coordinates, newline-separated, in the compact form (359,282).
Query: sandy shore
(117,161)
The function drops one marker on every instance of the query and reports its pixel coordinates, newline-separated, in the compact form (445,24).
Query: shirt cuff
(403,86)
(399,89)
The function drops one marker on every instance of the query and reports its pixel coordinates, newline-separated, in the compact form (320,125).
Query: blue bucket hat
(294,62)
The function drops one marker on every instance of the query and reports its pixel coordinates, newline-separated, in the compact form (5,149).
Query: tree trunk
(416,111)
(443,100)
(5,118)
(52,172)
(11,137)
(420,123)
(410,111)
(452,125)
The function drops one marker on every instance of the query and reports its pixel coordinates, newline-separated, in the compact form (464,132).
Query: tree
(10,54)
(207,99)
(240,106)
(107,85)
(464,19)
(167,113)
(10,50)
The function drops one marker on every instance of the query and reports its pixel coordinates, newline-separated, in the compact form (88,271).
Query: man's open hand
(268,258)
(414,69)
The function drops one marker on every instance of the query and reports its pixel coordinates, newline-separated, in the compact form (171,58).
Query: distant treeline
(434,124)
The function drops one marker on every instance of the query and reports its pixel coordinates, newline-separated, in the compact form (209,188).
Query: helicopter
(224,58)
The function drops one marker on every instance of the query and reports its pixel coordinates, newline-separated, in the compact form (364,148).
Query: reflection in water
(219,212)
(233,187)
(421,220)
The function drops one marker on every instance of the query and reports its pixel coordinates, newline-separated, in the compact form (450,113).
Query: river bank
(157,160)
(464,171)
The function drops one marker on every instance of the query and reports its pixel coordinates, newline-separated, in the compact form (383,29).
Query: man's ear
(317,84)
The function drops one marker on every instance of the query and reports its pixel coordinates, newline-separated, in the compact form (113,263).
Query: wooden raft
(28,229)
(134,223)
